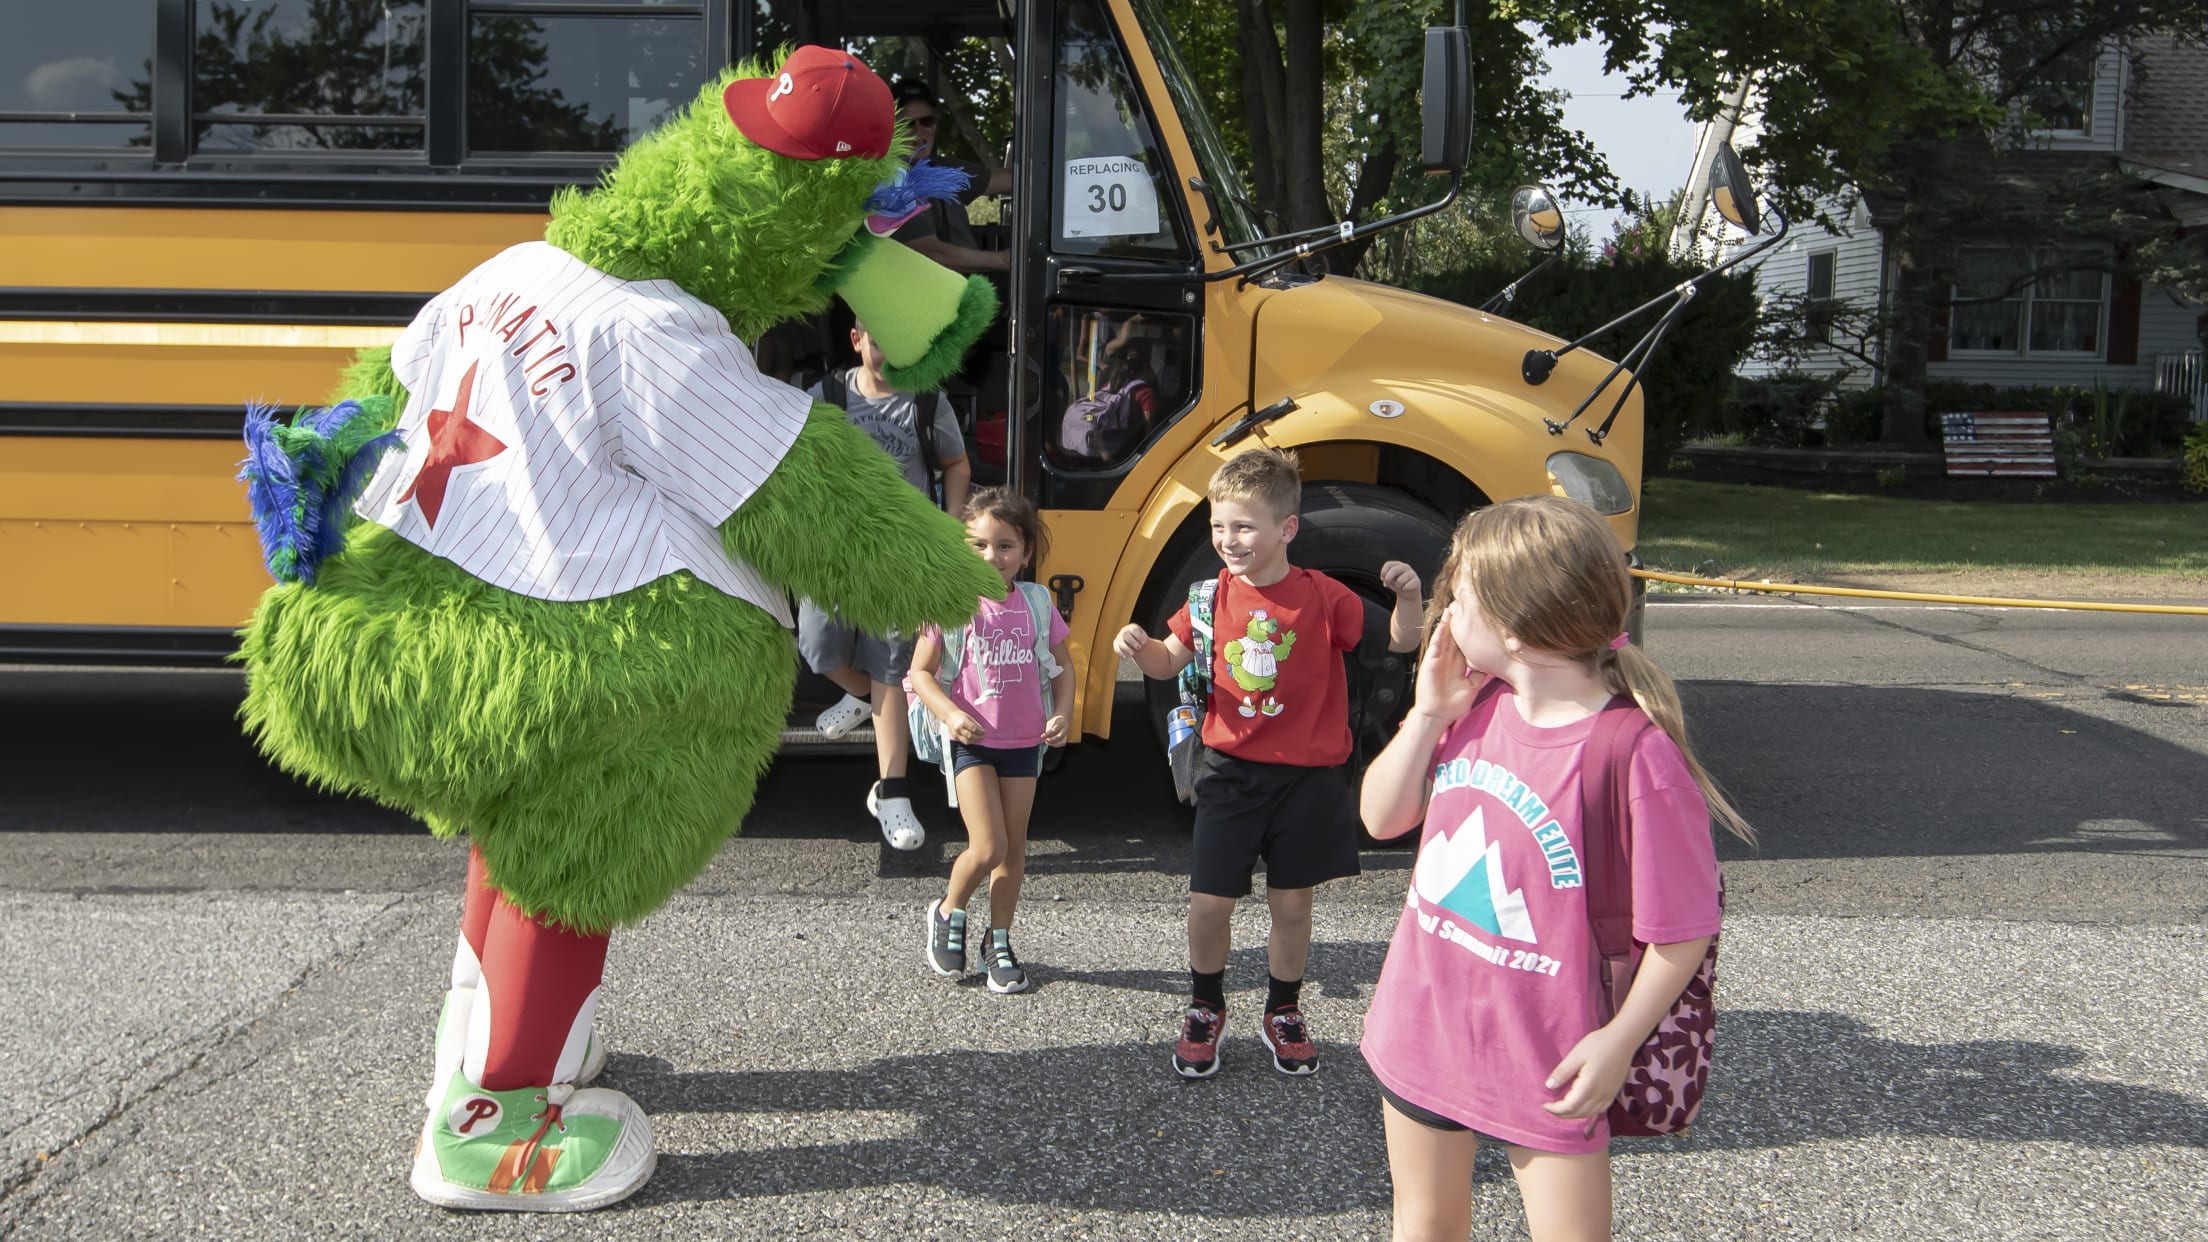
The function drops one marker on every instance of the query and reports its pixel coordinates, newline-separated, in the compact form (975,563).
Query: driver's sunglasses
(925,121)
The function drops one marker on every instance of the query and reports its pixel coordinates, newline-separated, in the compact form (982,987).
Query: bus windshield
(1229,195)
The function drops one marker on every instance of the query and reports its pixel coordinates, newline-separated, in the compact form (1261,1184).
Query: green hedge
(1786,410)
(1691,375)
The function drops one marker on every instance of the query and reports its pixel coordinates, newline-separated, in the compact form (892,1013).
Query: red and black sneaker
(1197,1055)
(1289,1040)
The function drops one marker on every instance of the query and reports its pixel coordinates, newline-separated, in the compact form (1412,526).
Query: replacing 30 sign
(1110,196)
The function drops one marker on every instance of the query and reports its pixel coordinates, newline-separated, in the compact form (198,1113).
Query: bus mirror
(1731,192)
(1537,217)
(1445,100)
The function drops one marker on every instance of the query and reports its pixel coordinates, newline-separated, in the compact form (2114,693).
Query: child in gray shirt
(871,668)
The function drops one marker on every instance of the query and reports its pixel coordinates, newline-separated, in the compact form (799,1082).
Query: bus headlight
(1590,480)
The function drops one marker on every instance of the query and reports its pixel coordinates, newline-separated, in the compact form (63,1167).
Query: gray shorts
(828,644)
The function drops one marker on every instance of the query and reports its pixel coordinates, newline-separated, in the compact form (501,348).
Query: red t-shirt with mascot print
(1278,692)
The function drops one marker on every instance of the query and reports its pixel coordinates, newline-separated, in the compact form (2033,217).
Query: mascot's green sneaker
(452,1046)
(534,1149)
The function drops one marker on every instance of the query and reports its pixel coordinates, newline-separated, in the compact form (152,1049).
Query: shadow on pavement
(1253,1143)
(1338,970)
(1864,772)
(1782,1077)
(1037,1127)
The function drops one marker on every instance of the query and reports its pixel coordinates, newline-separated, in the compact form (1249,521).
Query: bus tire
(1348,531)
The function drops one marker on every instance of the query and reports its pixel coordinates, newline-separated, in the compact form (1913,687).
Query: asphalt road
(1960,993)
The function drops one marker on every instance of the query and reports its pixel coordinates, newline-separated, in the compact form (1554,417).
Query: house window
(1998,311)
(2061,101)
(1819,294)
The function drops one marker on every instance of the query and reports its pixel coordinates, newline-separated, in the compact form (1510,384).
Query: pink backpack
(1663,1088)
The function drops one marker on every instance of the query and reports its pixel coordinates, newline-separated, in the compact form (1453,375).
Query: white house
(2146,113)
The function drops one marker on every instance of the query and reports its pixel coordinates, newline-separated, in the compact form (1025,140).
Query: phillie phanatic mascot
(532,572)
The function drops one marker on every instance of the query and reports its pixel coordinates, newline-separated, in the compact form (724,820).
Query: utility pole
(1716,132)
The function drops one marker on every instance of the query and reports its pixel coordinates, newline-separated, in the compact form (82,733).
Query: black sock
(1281,993)
(1210,987)
(891,787)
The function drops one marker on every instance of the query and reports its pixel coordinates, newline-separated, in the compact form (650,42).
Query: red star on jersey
(453,442)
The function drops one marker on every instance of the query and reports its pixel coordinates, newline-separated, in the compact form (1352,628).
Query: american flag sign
(1998,445)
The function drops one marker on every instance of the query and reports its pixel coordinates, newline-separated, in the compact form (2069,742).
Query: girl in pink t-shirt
(1010,697)
(1487,1018)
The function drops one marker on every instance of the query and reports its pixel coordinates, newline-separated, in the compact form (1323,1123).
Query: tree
(1328,95)
(1925,107)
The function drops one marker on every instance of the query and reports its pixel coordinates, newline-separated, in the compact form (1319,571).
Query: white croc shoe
(900,827)
(838,721)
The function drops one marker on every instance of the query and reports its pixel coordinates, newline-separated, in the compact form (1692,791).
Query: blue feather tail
(302,479)
(914,185)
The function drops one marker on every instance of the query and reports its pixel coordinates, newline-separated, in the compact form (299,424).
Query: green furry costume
(599,753)
(598,749)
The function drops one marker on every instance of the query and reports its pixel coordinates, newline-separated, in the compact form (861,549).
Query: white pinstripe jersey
(571,435)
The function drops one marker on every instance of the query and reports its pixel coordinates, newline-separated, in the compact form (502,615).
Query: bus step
(809,738)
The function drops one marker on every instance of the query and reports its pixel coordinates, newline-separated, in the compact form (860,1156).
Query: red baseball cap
(824,105)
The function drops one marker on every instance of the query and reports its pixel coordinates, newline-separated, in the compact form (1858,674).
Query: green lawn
(1732,530)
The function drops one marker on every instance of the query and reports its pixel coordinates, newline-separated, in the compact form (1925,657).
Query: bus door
(1108,296)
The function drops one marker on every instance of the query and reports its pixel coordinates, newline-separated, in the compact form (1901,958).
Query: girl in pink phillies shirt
(1010,697)
(1523,649)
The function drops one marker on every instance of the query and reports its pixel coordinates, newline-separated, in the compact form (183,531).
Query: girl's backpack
(1664,1086)
(931,740)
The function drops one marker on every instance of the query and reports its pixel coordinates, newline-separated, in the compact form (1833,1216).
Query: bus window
(1113,197)
(353,68)
(553,82)
(1120,375)
(65,74)
(774,24)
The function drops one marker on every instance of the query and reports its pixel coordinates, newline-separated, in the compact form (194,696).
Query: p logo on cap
(824,104)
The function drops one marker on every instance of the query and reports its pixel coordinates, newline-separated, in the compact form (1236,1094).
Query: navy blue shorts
(1009,761)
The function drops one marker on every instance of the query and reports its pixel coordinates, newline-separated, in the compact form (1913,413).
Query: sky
(1648,141)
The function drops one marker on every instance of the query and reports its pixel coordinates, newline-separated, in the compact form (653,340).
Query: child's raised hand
(1131,641)
(1401,579)
(1445,684)
(1054,731)
(1590,1075)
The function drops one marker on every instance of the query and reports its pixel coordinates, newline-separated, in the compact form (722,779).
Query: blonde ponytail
(1631,672)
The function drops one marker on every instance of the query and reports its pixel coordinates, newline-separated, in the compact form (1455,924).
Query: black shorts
(1297,819)
(1424,1116)
(1010,763)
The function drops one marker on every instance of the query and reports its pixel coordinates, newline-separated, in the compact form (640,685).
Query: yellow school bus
(208,202)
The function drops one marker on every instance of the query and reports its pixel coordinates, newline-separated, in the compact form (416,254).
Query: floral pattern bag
(1663,1087)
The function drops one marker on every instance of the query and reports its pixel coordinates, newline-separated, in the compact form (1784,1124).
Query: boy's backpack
(1184,730)
(931,741)
(1664,1085)
(1103,424)
(837,392)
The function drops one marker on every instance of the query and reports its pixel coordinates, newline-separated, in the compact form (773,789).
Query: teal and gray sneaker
(946,951)
(1005,974)
(532,1149)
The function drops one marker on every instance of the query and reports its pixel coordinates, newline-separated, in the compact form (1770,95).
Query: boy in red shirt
(1276,734)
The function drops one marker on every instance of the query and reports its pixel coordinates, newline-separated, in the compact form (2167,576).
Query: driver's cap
(823,105)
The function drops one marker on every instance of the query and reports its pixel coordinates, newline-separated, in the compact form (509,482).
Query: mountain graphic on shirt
(1463,874)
